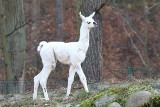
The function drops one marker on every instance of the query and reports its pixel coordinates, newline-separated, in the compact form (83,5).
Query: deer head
(88,21)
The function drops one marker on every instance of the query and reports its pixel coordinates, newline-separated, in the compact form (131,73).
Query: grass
(122,90)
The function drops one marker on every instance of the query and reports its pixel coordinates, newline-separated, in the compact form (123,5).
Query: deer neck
(84,37)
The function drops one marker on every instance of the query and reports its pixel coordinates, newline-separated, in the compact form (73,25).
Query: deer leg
(36,84)
(43,81)
(70,79)
(44,76)
(82,77)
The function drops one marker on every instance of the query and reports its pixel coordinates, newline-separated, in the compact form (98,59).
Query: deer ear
(92,14)
(81,16)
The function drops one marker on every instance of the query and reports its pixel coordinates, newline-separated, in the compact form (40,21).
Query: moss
(123,91)
(23,103)
(82,95)
(156,100)
(90,102)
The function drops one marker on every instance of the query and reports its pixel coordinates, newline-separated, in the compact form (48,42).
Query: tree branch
(137,50)
(152,7)
(100,6)
(127,22)
(17,28)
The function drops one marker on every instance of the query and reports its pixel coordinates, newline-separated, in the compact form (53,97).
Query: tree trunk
(8,70)
(59,20)
(93,63)
(14,17)
(36,14)
(59,26)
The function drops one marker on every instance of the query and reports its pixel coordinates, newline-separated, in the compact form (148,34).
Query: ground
(80,98)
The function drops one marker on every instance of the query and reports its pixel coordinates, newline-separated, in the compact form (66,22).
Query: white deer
(72,53)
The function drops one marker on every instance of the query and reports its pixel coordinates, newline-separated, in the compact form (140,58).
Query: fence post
(130,72)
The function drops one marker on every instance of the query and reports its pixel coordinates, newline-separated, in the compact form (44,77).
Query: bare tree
(36,14)
(15,38)
(92,65)
(8,70)
(59,19)
(141,36)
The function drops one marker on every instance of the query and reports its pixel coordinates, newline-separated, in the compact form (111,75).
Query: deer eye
(88,22)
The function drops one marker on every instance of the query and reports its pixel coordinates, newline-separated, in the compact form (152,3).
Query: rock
(8,96)
(92,87)
(156,85)
(97,86)
(104,100)
(18,97)
(156,91)
(59,105)
(78,105)
(68,105)
(138,99)
(64,105)
(114,104)
(102,86)
(2,97)
(11,99)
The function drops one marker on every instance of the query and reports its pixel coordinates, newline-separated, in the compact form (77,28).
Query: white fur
(72,53)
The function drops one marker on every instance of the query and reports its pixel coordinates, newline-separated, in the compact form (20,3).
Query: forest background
(130,38)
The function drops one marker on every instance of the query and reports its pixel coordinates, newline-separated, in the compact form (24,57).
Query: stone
(156,91)
(104,100)
(68,105)
(156,85)
(18,97)
(92,87)
(8,96)
(2,97)
(114,104)
(138,99)
(102,86)
(59,105)
(63,105)
(78,105)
